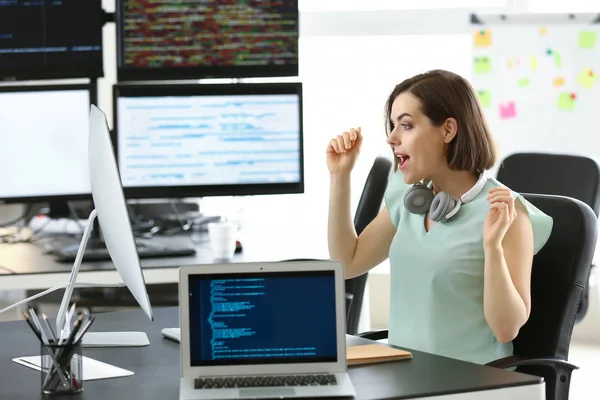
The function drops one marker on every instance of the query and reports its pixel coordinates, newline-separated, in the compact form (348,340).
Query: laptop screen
(262,318)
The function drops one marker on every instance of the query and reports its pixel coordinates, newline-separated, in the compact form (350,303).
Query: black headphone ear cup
(441,205)
(418,199)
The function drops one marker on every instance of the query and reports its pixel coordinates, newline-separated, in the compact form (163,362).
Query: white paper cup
(222,239)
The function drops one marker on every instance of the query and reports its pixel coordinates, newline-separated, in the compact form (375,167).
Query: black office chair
(574,176)
(559,278)
(368,207)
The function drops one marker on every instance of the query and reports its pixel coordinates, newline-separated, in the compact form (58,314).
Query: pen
(84,329)
(76,327)
(33,328)
(66,328)
(66,353)
(52,335)
(64,380)
(38,325)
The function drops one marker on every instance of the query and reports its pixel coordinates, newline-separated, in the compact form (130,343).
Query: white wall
(352,52)
(349,62)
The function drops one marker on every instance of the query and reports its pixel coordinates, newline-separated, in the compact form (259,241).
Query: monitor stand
(90,339)
(96,339)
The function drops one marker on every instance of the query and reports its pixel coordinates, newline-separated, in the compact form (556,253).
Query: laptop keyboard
(265,381)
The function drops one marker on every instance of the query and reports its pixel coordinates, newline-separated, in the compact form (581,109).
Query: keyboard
(231,382)
(100,252)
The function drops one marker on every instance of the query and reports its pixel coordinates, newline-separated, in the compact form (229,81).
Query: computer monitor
(50,39)
(206,39)
(196,140)
(43,143)
(111,209)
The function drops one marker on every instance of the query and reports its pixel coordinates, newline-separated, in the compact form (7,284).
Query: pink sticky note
(508,110)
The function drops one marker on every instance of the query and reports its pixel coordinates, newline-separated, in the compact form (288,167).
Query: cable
(75,217)
(184,226)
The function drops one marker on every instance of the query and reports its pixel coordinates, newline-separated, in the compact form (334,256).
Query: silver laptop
(263,330)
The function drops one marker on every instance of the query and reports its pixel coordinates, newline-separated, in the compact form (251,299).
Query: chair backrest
(559,276)
(368,207)
(574,176)
(560,174)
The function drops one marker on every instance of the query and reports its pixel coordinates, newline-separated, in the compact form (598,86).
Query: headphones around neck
(419,199)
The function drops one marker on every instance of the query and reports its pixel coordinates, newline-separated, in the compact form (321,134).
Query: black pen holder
(61,368)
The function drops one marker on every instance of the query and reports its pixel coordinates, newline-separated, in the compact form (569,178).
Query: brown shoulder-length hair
(444,95)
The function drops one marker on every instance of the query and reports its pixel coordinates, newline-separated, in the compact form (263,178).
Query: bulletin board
(538,81)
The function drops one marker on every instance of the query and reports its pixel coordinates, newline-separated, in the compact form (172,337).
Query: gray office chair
(574,176)
(559,279)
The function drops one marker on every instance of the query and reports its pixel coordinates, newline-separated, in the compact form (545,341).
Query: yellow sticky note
(523,82)
(485,98)
(587,39)
(482,65)
(558,82)
(482,38)
(566,101)
(533,63)
(587,78)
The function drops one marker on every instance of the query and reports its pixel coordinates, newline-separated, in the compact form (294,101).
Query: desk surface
(26,266)
(156,367)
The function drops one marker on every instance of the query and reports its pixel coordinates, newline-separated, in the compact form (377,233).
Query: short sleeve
(540,222)
(394,196)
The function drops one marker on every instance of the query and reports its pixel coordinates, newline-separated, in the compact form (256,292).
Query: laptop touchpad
(266,392)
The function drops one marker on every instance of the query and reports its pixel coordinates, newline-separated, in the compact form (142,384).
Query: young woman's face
(418,144)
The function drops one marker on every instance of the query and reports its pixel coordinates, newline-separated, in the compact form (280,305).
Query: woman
(460,275)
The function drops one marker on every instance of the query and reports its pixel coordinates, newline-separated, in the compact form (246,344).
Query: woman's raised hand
(343,150)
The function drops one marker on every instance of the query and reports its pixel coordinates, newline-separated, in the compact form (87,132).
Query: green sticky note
(557,59)
(587,39)
(566,102)
(485,98)
(523,82)
(587,78)
(483,65)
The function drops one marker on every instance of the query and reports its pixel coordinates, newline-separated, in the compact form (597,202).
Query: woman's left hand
(500,216)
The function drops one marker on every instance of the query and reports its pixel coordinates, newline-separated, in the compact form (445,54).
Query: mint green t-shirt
(436,278)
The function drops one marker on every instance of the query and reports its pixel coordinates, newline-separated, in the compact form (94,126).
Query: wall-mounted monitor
(187,39)
(196,140)
(50,39)
(43,143)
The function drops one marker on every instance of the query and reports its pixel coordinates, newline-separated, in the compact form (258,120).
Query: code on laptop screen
(282,317)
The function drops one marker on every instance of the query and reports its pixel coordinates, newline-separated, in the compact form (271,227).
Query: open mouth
(402,159)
